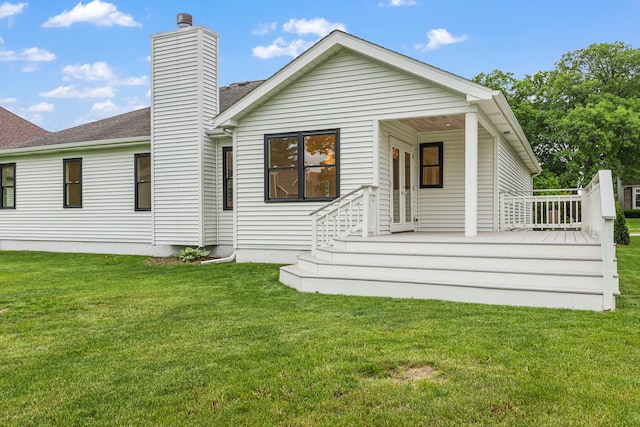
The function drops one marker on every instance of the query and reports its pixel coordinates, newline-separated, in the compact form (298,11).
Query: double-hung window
(431,170)
(637,198)
(227,177)
(143,182)
(8,186)
(72,183)
(302,166)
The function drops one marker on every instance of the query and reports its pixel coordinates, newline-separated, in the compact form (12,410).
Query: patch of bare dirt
(163,260)
(169,261)
(426,372)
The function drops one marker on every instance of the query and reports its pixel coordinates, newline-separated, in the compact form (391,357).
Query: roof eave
(69,146)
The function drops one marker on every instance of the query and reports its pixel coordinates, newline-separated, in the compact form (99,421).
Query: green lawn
(634,225)
(110,340)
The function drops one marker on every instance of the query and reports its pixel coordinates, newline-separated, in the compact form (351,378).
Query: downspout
(220,260)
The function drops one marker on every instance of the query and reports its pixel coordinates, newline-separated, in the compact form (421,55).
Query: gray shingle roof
(128,125)
(231,94)
(15,129)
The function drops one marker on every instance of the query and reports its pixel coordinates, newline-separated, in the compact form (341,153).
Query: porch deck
(499,237)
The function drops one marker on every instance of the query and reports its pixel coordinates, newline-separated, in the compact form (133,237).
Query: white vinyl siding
(513,175)
(108,200)
(218,222)
(212,189)
(442,209)
(184,98)
(346,92)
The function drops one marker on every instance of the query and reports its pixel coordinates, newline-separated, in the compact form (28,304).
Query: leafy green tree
(582,116)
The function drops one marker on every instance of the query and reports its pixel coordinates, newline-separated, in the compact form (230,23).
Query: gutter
(71,146)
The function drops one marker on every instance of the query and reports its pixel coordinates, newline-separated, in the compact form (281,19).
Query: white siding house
(376,174)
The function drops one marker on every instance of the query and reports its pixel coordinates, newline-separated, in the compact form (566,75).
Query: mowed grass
(633,224)
(110,340)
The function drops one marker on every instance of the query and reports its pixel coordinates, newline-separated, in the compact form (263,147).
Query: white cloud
(9,100)
(439,37)
(37,54)
(73,91)
(101,14)
(280,47)
(395,3)
(264,28)
(88,72)
(107,107)
(10,9)
(134,81)
(319,26)
(29,54)
(30,68)
(99,71)
(43,107)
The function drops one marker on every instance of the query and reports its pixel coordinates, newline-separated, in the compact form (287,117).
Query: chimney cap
(184,20)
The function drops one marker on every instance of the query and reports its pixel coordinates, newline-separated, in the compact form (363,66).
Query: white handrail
(347,215)
(340,199)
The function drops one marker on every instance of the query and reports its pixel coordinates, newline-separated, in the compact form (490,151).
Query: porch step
(488,260)
(470,249)
(507,276)
(306,282)
(530,274)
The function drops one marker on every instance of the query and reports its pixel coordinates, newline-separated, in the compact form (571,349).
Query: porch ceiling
(436,123)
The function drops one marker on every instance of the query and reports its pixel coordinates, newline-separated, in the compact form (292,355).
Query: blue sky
(67,62)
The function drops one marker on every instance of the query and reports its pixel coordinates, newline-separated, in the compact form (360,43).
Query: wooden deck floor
(510,237)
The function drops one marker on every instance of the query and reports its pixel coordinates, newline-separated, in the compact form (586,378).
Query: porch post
(471,174)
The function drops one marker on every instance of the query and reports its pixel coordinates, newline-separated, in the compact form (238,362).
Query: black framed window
(227,177)
(302,166)
(72,183)
(143,182)
(8,186)
(431,165)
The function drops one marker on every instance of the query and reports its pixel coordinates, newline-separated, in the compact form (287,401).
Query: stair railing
(350,214)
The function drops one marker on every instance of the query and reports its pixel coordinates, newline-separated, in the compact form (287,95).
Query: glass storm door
(402,186)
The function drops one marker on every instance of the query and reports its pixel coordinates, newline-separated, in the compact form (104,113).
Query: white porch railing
(541,209)
(355,212)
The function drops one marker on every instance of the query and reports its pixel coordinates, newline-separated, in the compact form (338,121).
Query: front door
(402,186)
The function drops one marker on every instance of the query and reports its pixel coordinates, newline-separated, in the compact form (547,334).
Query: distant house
(629,194)
(371,172)
(14,128)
